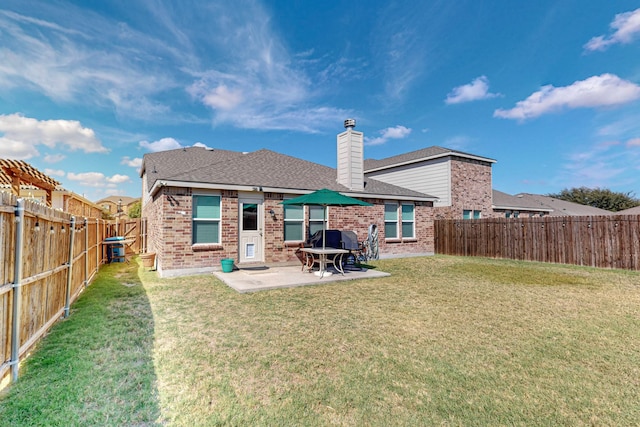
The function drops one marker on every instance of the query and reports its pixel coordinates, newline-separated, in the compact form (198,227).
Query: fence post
(17,297)
(72,232)
(85,228)
(98,245)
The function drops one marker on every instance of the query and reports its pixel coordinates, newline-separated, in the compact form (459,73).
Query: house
(203,205)
(630,211)
(23,180)
(117,206)
(561,207)
(461,181)
(508,206)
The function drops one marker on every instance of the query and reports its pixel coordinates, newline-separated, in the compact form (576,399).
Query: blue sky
(550,89)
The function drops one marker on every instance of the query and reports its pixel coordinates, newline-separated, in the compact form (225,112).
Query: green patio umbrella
(325,198)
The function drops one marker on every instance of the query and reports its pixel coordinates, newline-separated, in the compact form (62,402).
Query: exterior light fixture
(37,227)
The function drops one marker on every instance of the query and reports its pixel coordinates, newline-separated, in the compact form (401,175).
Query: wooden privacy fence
(598,241)
(47,258)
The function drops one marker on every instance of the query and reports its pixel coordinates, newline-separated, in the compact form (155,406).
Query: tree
(135,210)
(599,198)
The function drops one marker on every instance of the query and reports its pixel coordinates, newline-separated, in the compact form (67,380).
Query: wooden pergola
(18,172)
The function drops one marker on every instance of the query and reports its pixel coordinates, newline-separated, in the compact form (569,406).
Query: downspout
(72,232)
(17,282)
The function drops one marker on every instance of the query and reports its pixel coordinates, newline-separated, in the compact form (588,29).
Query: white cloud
(625,26)
(163,144)
(200,144)
(633,142)
(20,132)
(222,98)
(97,179)
(54,172)
(54,158)
(118,179)
(606,90)
(134,163)
(13,149)
(76,56)
(397,132)
(476,90)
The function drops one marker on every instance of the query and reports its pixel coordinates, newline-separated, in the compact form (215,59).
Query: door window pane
(249,216)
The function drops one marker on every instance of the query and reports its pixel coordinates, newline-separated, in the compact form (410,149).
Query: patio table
(323,258)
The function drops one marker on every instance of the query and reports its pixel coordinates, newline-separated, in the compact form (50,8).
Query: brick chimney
(350,157)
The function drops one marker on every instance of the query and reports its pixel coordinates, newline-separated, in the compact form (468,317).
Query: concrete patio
(255,279)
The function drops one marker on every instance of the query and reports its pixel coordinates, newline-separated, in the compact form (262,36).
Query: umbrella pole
(324,225)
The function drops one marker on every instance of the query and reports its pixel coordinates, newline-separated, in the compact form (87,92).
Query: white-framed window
(408,221)
(471,214)
(391,220)
(293,223)
(316,219)
(206,218)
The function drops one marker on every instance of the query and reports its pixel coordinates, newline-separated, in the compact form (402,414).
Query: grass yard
(442,341)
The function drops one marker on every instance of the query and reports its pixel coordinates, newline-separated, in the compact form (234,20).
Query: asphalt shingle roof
(261,168)
(630,211)
(417,155)
(561,207)
(503,200)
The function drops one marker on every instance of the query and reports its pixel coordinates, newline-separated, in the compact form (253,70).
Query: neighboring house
(203,205)
(461,181)
(508,206)
(560,207)
(630,211)
(117,206)
(23,180)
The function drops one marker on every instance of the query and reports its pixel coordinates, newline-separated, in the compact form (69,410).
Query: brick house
(117,206)
(203,205)
(461,181)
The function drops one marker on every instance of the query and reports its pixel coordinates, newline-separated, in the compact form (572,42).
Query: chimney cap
(350,123)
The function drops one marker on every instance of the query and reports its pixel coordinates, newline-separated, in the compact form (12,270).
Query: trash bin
(227,265)
(115,251)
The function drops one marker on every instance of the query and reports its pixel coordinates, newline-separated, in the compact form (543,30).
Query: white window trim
(301,220)
(219,220)
(413,221)
(398,221)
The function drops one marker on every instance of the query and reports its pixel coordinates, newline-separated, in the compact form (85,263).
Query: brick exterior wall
(470,189)
(170,236)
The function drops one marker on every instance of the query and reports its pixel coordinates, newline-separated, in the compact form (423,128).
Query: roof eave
(297,191)
(435,156)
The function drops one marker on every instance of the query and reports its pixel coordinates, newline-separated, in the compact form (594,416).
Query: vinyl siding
(431,177)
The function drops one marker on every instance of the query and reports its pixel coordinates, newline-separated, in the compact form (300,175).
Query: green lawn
(442,341)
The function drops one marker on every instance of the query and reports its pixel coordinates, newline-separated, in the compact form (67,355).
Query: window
(469,214)
(390,220)
(408,223)
(206,219)
(316,220)
(293,222)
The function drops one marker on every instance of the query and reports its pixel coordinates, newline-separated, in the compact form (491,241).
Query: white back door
(251,215)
